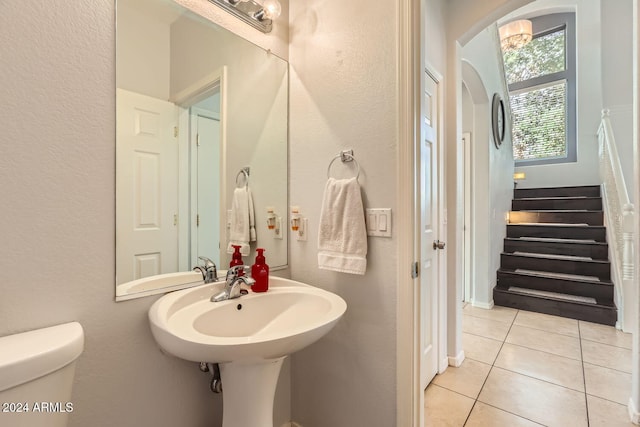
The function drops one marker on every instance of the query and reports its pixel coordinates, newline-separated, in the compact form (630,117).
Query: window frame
(542,26)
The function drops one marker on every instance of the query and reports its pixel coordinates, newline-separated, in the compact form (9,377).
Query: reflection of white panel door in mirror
(147,191)
(205,129)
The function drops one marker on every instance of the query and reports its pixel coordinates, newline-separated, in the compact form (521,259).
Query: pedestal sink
(248,337)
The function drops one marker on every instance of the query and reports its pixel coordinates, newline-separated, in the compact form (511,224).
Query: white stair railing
(619,213)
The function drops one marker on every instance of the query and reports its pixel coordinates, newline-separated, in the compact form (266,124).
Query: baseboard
(634,415)
(457,361)
(485,305)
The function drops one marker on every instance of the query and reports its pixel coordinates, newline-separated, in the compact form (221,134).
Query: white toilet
(36,375)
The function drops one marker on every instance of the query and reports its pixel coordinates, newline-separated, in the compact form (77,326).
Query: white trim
(409,399)
(467,293)
(635,368)
(486,306)
(634,415)
(199,90)
(456,361)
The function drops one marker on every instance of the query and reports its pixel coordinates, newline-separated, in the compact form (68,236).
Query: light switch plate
(378,222)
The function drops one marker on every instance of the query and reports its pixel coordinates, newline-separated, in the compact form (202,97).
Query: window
(541,78)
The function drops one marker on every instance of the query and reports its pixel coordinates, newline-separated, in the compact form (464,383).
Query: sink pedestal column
(248,390)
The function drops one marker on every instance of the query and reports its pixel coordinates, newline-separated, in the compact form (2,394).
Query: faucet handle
(207,262)
(234,271)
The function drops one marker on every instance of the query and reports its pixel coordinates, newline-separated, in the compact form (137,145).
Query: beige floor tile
(561,345)
(541,365)
(466,379)
(500,314)
(545,322)
(607,383)
(480,348)
(445,408)
(487,416)
(606,355)
(534,399)
(604,334)
(604,413)
(485,327)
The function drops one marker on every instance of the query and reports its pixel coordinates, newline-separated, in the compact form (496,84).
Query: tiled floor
(531,369)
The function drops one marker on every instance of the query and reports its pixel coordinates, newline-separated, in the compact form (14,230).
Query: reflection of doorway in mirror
(146,187)
(205,176)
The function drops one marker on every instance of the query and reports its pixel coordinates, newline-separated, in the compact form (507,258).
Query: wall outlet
(278,232)
(303,231)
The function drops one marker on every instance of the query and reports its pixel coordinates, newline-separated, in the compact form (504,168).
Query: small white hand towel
(342,235)
(243,226)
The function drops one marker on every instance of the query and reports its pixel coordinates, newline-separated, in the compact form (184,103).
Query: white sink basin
(248,337)
(257,326)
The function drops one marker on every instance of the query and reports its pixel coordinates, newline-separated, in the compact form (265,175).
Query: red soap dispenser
(260,273)
(236,258)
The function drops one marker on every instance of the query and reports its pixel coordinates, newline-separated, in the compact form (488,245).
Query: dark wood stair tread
(555,258)
(576,278)
(603,311)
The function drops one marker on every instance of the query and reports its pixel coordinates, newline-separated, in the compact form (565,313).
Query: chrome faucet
(232,288)
(209,270)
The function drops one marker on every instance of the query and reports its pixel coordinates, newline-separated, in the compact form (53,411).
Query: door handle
(437,244)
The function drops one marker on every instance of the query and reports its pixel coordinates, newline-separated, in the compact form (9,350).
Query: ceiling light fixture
(515,34)
(257,13)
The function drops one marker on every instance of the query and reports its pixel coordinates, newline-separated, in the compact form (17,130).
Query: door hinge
(175,219)
(198,140)
(198,220)
(175,131)
(415,270)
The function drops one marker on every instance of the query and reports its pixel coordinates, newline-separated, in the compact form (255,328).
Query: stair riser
(588,191)
(591,218)
(591,204)
(595,233)
(595,314)
(599,269)
(600,292)
(593,250)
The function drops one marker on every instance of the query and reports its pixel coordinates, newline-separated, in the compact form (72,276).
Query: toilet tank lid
(33,354)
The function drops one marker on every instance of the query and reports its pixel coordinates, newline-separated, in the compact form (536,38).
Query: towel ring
(345,156)
(243,172)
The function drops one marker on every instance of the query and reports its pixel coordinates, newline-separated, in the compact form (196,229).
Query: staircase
(555,258)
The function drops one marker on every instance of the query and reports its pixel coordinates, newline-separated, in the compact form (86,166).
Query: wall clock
(498,122)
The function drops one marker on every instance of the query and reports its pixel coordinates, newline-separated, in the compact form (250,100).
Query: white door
(146,187)
(429,252)
(207,161)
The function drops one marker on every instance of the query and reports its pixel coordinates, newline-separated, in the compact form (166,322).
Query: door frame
(411,64)
(467,293)
(195,112)
(184,100)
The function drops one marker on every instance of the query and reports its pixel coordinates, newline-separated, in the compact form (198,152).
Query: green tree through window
(541,82)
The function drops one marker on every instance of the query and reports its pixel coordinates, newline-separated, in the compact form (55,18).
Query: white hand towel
(342,235)
(242,229)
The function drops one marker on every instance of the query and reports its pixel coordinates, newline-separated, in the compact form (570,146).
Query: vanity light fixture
(257,13)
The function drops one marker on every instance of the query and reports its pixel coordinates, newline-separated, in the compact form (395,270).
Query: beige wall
(343,95)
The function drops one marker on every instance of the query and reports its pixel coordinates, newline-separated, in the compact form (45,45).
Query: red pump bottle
(236,258)
(260,273)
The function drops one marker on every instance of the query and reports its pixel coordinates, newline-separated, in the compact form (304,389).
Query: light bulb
(272,9)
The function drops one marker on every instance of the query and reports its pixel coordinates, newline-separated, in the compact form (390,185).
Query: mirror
(201,130)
